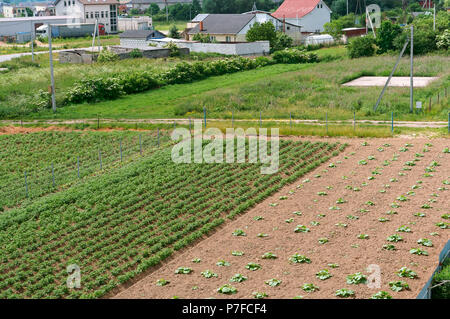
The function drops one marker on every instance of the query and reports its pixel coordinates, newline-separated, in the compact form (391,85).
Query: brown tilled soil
(344,248)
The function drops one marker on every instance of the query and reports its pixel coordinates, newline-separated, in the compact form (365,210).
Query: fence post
(326,121)
(158,137)
(232,118)
(204,116)
(438,99)
(78,166)
(140,144)
(429,106)
(121,150)
(354,120)
(26,185)
(290,119)
(53,175)
(100,158)
(392,122)
(260,118)
(174,124)
(98,121)
(189,124)
(448,122)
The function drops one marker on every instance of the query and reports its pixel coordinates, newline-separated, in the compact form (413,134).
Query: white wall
(313,21)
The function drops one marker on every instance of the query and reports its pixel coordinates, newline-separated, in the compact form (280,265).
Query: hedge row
(112,87)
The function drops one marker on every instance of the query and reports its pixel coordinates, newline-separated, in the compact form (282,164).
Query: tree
(261,32)
(196,8)
(443,40)
(386,36)
(173,32)
(334,28)
(153,9)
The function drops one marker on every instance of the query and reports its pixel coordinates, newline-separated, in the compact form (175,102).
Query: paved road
(434,124)
(7,57)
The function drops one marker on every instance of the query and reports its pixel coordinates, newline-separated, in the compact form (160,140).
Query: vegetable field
(35,164)
(118,225)
(369,223)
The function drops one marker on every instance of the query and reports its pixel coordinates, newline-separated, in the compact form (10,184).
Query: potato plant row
(35,153)
(118,225)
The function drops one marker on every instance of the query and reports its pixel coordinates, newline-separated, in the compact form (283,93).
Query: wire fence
(34,181)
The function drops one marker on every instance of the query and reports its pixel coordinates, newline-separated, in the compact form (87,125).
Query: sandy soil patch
(395,81)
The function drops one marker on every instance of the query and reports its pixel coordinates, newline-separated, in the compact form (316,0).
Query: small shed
(139,38)
(348,33)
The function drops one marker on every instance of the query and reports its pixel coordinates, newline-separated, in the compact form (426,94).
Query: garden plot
(382,204)
(401,81)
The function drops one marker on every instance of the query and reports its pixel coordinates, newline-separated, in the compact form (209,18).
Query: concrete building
(145,4)
(43,9)
(88,11)
(234,27)
(135,23)
(138,38)
(310,14)
(10,27)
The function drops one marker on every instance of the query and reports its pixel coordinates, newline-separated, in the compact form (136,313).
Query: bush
(173,32)
(294,56)
(361,46)
(137,82)
(107,56)
(174,50)
(136,53)
(424,41)
(92,90)
(443,40)
(386,36)
(282,41)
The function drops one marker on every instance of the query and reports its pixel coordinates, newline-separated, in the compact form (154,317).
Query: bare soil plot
(401,81)
(353,179)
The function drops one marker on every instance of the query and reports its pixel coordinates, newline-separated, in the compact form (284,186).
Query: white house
(88,11)
(310,14)
(16,10)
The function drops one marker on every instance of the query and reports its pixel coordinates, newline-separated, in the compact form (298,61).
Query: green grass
(165,26)
(307,91)
(118,225)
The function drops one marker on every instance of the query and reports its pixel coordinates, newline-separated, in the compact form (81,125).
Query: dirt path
(431,124)
(344,248)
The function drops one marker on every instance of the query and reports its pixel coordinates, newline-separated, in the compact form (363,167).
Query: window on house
(73,2)
(87,15)
(106,14)
(96,14)
(228,38)
(92,15)
(65,4)
(103,14)
(289,28)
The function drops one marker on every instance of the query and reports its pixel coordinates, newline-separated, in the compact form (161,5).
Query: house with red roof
(310,14)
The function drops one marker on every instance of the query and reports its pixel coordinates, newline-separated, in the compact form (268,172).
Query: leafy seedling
(363,236)
(239,232)
(273,282)
(323,274)
(418,251)
(301,229)
(162,282)
(183,270)
(394,238)
(344,293)
(223,263)
(398,286)
(310,287)
(269,255)
(237,253)
(238,278)
(208,274)
(323,240)
(389,247)
(260,295)
(406,273)
(425,242)
(381,295)
(356,278)
(299,259)
(227,289)
(253,266)
(196,260)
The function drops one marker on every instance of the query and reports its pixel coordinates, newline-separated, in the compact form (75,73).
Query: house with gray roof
(138,38)
(234,27)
